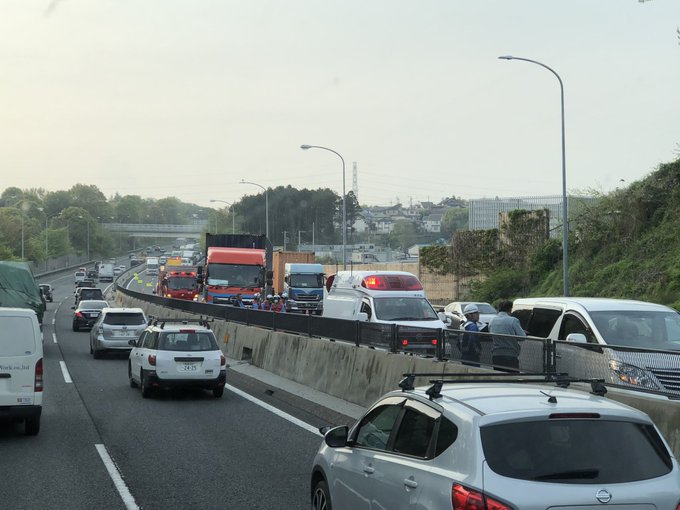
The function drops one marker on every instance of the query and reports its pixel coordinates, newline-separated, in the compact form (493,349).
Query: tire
(133,384)
(76,327)
(321,498)
(32,426)
(218,392)
(91,351)
(146,387)
(96,354)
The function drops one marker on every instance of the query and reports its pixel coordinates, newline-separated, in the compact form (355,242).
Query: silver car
(500,446)
(114,328)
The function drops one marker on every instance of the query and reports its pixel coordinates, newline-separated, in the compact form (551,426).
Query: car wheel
(91,351)
(218,392)
(96,354)
(133,384)
(75,327)
(144,383)
(321,499)
(32,426)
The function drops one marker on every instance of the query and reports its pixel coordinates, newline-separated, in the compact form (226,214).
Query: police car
(173,353)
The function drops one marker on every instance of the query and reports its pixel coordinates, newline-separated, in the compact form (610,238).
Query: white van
(21,368)
(382,297)
(634,329)
(152,265)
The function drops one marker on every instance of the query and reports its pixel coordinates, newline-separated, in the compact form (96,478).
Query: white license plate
(188,367)
(126,333)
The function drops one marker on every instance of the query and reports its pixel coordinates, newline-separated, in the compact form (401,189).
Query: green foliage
(438,259)
(454,219)
(501,284)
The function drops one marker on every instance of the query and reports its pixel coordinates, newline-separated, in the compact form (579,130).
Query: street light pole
(344,205)
(233,215)
(565,219)
(266,205)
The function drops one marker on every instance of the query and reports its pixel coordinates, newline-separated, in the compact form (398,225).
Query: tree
(454,219)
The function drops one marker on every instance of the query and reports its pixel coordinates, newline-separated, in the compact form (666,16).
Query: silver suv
(114,328)
(495,444)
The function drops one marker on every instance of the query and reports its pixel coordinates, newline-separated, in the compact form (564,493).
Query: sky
(187,98)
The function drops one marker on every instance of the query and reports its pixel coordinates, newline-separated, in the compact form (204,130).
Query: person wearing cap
(267,305)
(284,300)
(470,346)
(256,303)
(276,304)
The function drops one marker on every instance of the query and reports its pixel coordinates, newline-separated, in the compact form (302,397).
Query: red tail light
(223,360)
(78,314)
(404,342)
(38,384)
(464,498)
(434,341)
(152,360)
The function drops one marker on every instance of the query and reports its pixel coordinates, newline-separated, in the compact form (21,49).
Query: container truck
(235,264)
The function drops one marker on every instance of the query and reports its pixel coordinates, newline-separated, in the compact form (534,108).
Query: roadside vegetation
(626,244)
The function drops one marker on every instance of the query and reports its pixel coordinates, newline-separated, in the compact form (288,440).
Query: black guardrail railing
(643,370)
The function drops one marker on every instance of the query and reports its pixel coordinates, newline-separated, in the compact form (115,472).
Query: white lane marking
(64,371)
(122,489)
(272,409)
(54,321)
(54,337)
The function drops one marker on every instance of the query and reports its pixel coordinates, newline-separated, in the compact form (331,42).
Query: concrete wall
(359,374)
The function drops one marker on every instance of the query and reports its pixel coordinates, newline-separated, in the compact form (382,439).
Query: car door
(137,354)
(401,472)
(353,482)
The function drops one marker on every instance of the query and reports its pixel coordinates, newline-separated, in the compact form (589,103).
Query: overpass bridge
(157,230)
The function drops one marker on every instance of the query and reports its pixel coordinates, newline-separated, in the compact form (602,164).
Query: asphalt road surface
(102,446)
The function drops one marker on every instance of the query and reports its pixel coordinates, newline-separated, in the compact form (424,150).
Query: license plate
(126,333)
(188,367)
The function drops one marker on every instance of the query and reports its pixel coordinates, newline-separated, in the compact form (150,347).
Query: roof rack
(561,379)
(161,321)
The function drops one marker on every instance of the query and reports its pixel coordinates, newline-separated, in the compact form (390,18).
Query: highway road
(102,446)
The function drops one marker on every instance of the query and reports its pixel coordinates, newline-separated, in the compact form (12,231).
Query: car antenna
(551,398)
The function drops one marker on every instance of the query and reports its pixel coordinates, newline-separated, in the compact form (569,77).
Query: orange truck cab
(235,264)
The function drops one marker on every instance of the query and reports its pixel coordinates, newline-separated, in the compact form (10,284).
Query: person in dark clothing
(471,347)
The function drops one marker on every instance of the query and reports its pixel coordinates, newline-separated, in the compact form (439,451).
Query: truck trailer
(281,258)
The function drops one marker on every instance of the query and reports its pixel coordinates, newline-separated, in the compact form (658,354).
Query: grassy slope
(628,245)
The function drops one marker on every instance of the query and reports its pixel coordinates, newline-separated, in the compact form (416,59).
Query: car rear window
(93,305)
(124,319)
(182,341)
(17,336)
(578,451)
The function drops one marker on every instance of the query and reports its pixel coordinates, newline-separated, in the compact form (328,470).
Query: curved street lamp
(233,213)
(565,220)
(266,205)
(344,205)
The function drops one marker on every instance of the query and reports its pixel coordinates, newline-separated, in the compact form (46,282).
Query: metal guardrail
(155,227)
(642,370)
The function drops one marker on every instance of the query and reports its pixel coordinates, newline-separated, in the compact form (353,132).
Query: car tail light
(464,498)
(404,342)
(152,359)
(434,341)
(38,384)
(187,331)
(80,315)
(223,360)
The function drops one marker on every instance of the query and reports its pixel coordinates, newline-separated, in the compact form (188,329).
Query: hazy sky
(187,97)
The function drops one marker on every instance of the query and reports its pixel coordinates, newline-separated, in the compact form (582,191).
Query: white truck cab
(389,297)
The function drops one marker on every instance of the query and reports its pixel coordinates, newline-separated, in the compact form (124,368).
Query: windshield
(644,329)
(404,309)
(311,281)
(235,275)
(92,305)
(182,283)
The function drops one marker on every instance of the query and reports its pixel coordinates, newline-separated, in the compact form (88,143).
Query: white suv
(174,353)
(471,444)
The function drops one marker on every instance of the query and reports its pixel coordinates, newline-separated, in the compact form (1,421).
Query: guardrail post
(394,340)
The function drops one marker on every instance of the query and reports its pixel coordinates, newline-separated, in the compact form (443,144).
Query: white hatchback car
(463,444)
(175,353)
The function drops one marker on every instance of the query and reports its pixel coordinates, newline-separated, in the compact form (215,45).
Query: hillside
(627,245)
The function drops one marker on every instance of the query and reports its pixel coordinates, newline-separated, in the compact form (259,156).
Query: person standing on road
(505,329)
(267,305)
(256,303)
(470,346)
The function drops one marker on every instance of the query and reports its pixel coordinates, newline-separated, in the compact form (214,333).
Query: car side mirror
(442,317)
(337,437)
(362,316)
(577,338)
(132,342)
